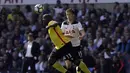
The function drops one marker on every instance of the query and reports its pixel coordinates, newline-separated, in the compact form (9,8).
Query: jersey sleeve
(51,23)
(80,27)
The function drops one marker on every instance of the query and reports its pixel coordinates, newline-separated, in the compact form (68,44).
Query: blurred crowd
(106,45)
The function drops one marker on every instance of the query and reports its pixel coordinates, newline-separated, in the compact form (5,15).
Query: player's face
(70,16)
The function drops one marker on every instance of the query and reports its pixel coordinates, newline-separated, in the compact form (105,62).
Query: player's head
(46,19)
(70,14)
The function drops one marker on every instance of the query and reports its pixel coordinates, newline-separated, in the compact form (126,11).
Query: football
(38,8)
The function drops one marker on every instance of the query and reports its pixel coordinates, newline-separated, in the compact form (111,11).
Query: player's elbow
(83,33)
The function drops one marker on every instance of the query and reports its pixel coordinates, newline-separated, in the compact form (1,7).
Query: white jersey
(73,29)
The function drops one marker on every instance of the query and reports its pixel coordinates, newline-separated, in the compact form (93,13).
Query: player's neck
(70,21)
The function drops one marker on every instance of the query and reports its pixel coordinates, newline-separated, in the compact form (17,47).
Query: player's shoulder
(52,22)
(66,22)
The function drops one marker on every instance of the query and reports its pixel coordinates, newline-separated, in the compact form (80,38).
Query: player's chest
(73,27)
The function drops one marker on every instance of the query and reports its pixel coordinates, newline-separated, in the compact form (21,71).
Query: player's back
(57,36)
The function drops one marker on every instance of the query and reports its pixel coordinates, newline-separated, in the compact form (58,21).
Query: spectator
(2,26)
(59,18)
(32,51)
(128,42)
(17,45)
(10,32)
(46,9)
(121,46)
(18,36)
(108,56)
(98,40)
(2,67)
(88,57)
(2,42)
(9,48)
(91,46)
(100,64)
(117,65)
(58,8)
(2,52)
(105,41)
(92,10)
(65,7)
(41,65)
(17,60)
(7,58)
(127,57)
(3,11)
(125,8)
(15,68)
(28,13)
(75,9)
(125,19)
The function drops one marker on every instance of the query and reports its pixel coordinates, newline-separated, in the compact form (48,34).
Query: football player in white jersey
(74,30)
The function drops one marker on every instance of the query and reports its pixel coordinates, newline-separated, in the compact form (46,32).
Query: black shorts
(77,54)
(58,54)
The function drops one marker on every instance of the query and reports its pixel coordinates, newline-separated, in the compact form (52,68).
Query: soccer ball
(38,8)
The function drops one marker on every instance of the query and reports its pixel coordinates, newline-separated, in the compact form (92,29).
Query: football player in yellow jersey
(62,44)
